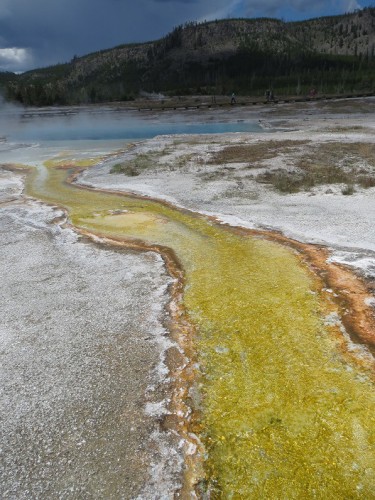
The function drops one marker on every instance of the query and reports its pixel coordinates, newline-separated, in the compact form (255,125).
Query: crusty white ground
(323,215)
(82,346)
(82,340)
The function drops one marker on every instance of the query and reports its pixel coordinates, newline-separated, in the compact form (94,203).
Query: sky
(38,33)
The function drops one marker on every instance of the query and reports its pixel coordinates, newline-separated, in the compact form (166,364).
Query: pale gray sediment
(82,345)
(182,170)
(81,331)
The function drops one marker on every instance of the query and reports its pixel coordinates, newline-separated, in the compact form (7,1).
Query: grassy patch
(124,168)
(354,128)
(350,155)
(315,174)
(212,176)
(135,166)
(245,153)
(348,190)
(282,180)
(329,163)
(366,181)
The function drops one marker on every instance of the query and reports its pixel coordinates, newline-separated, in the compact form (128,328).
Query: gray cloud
(270,8)
(42,32)
(15,58)
(176,1)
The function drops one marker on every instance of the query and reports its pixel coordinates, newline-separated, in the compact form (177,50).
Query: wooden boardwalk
(246,102)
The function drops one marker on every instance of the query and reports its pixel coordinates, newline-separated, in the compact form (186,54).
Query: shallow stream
(283,414)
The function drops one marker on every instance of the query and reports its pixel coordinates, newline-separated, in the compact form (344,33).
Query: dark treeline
(332,55)
(248,72)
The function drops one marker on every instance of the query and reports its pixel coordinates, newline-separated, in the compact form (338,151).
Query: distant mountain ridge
(334,53)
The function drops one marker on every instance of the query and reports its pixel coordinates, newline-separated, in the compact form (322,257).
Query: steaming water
(70,124)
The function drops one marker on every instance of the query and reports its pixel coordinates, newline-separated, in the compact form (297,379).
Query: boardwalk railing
(246,101)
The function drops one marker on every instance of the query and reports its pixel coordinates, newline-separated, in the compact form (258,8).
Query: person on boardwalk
(233,99)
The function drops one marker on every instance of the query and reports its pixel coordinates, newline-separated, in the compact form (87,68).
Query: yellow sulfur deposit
(284,416)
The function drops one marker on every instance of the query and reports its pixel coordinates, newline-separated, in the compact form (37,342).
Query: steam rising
(38,125)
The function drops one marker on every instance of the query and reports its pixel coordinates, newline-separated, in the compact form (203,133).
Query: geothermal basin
(184,313)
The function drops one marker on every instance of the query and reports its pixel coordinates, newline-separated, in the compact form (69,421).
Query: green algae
(283,416)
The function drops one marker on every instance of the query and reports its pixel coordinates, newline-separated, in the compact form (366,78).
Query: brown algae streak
(283,414)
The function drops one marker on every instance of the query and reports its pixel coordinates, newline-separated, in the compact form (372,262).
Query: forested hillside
(331,54)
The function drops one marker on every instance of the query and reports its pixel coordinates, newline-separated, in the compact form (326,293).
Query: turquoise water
(65,125)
